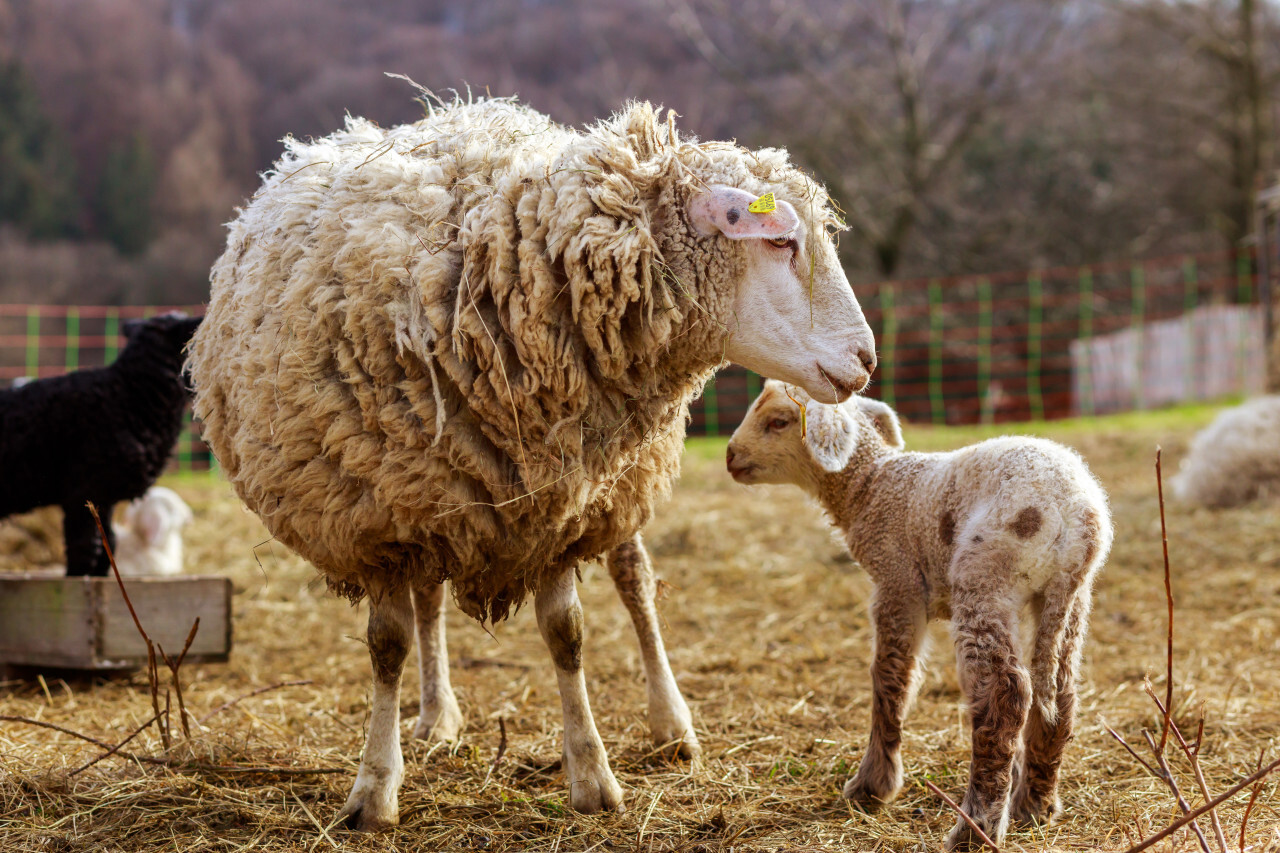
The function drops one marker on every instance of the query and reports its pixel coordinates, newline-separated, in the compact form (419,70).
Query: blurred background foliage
(958,135)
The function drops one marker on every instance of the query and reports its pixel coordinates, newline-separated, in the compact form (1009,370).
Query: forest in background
(958,137)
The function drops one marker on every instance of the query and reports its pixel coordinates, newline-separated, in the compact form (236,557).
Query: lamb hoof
(599,792)
(962,836)
(440,722)
(870,791)
(1026,812)
(366,812)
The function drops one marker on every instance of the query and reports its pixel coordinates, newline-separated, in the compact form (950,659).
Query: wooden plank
(84,623)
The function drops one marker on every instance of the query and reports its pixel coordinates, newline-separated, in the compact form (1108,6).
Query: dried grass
(769,638)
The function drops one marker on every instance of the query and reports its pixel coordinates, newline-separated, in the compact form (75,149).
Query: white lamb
(977,536)
(464,349)
(1234,460)
(149,536)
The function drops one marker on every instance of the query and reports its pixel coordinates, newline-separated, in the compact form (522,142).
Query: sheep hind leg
(1035,796)
(670,722)
(996,685)
(592,786)
(374,801)
(900,622)
(439,716)
(84,552)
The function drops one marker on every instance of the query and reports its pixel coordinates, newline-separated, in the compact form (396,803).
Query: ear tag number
(764,204)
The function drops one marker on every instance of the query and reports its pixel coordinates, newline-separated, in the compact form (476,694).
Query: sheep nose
(868,359)
(728,457)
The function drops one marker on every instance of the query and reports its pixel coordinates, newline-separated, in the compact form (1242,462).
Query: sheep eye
(778,424)
(783,243)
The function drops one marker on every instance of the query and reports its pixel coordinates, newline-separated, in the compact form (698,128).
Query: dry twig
(963,816)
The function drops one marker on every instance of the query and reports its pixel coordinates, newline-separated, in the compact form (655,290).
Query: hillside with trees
(958,137)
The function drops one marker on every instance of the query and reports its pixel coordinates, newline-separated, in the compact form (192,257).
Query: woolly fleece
(1235,459)
(465,348)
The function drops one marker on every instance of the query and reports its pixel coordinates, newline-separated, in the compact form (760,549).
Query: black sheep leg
(85,554)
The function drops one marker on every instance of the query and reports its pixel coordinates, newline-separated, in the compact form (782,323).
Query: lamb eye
(783,243)
(778,424)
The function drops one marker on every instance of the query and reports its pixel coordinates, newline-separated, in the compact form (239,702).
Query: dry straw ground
(769,638)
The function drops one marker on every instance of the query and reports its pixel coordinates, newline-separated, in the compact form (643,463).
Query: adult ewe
(1234,460)
(975,536)
(100,435)
(464,349)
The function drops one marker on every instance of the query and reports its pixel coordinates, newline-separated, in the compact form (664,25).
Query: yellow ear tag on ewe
(764,204)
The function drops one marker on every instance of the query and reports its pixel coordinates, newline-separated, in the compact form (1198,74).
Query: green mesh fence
(975,349)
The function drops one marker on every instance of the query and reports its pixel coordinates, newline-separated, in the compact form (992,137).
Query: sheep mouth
(742,473)
(843,387)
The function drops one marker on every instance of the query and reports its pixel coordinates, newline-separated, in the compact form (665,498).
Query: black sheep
(100,435)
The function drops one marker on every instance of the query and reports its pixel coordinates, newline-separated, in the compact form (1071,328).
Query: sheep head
(789,437)
(795,317)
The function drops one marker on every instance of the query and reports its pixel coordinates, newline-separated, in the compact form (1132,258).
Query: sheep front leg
(373,804)
(439,716)
(670,722)
(592,786)
(998,690)
(84,551)
(900,618)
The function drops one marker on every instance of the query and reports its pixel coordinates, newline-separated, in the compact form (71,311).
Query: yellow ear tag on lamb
(764,204)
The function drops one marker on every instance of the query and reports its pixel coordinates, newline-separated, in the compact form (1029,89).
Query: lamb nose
(868,359)
(728,457)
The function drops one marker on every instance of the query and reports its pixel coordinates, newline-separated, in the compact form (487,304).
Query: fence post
(988,412)
(111,331)
(1190,280)
(73,339)
(710,415)
(936,402)
(1034,346)
(1138,313)
(33,341)
(1088,405)
(888,341)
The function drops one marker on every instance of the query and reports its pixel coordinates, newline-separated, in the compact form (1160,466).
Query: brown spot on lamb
(1024,531)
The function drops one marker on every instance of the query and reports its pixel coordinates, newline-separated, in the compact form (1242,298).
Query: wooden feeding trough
(49,620)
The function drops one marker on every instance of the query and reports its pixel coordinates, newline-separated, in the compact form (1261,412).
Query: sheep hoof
(363,813)
(680,748)
(589,796)
(440,722)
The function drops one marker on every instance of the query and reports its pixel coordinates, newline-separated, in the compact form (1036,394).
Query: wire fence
(976,349)
(1055,343)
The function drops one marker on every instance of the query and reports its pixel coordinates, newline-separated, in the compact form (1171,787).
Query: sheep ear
(884,419)
(829,435)
(724,210)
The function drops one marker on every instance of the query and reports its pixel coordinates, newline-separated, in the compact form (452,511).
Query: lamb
(977,536)
(464,349)
(100,435)
(149,536)
(1234,460)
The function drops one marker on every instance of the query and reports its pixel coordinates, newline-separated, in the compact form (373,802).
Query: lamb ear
(830,435)
(723,210)
(884,419)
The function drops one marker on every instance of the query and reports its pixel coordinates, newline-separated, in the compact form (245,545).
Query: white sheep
(149,534)
(464,349)
(1234,460)
(978,536)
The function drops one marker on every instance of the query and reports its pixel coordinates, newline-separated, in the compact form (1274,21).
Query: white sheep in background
(977,536)
(149,535)
(464,349)
(1234,460)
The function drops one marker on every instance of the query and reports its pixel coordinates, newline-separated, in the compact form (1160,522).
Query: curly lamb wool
(464,349)
(1235,459)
